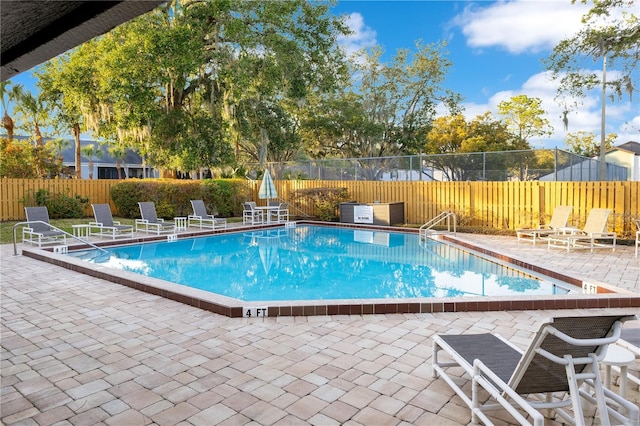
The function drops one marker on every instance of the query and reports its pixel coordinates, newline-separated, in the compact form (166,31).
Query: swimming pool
(583,294)
(310,262)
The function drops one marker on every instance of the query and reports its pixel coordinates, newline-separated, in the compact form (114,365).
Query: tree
(33,113)
(91,151)
(456,145)
(17,159)
(585,143)
(386,110)
(12,94)
(524,117)
(399,98)
(68,84)
(59,145)
(182,84)
(118,152)
(610,30)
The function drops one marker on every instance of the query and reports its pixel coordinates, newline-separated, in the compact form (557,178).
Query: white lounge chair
(105,226)
(201,218)
(595,228)
(250,214)
(559,220)
(40,232)
(556,372)
(150,221)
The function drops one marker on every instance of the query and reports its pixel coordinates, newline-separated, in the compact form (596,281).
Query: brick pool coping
(599,296)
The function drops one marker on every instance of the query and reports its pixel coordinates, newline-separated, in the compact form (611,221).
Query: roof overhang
(33,32)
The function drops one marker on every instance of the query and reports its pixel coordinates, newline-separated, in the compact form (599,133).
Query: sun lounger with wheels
(558,371)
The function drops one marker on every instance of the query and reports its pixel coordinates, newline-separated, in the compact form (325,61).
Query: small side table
(81,231)
(620,357)
(180,222)
(568,230)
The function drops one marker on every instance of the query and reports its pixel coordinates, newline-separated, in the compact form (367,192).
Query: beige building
(626,155)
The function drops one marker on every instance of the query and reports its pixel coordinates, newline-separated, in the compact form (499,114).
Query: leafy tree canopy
(585,143)
(186,85)
(524,117)
(610,29)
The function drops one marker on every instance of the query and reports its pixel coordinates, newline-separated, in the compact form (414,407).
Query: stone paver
(79,350)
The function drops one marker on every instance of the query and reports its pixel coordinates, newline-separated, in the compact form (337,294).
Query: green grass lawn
(6,228)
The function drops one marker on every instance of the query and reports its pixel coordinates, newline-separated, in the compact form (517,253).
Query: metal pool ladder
(427,230)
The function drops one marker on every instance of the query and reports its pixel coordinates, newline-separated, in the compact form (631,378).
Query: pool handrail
(446,215)
(15,245)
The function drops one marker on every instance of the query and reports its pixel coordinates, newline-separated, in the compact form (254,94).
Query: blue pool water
(321,263)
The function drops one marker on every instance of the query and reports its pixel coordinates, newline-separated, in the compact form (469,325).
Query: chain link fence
(542,164)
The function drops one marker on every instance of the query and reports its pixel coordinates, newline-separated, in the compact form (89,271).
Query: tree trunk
(78,157)
(7,123)
(38,134)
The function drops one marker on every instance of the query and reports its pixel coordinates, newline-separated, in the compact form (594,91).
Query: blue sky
(497,50)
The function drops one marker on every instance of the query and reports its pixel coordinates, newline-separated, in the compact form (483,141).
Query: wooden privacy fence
(15,194)
(499,205)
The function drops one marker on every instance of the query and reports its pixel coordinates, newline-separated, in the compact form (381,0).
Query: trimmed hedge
(60,205)
(172,197)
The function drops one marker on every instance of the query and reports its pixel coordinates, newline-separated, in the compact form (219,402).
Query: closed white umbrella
(267,187)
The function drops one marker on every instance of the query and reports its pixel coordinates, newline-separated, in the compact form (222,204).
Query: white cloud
(520,26)
(586,117)
(362,36)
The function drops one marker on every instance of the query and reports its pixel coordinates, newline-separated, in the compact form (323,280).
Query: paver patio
(79,350)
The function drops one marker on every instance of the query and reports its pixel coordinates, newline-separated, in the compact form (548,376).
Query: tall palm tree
(35,113)
(91,151)
(118,152)
(59,145)
(10,94)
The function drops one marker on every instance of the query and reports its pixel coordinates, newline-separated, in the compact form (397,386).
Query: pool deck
(78,350)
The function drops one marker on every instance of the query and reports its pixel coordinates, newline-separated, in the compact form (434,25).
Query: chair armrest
(142,221)
(497,387)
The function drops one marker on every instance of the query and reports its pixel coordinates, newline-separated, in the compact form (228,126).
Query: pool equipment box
(372,213)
